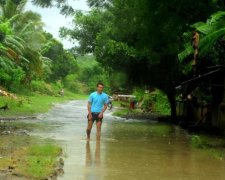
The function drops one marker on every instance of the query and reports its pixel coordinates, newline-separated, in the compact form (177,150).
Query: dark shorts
(95,117)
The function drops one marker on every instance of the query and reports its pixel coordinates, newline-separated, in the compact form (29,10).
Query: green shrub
(161,103)
(139,93)
(42,87)
(59,84)
(156,101)
(12,79)
(71,83)
(197,141)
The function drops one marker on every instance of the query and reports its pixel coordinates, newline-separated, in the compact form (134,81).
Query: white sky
(54,20)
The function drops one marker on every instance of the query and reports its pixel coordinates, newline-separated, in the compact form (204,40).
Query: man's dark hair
(99,83)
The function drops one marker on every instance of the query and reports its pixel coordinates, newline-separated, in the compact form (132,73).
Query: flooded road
(129,149)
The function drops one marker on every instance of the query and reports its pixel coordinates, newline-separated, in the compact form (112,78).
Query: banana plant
(211,31)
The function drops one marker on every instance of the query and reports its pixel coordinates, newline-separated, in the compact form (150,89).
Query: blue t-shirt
(97,101)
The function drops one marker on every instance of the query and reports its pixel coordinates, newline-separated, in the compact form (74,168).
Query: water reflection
(90,162)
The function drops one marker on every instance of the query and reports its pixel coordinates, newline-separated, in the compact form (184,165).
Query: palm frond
(43,3)
(209,40)
(2,47)
(9,9)
(24,59)
(19,39)
(186,52)
(20,8)
(46,59)
(14,18)
(14,48)
(202,27)
(14,42)
(215,17)
(4,52)
(6,64)
(26,28)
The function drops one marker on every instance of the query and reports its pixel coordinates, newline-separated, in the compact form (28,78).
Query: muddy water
(129,149)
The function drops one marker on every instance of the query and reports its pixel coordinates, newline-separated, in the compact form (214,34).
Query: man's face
(100,88)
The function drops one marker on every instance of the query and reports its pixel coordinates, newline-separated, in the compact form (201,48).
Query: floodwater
(129,149)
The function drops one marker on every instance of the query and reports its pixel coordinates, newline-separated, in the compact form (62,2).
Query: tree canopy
(140,38)
(147,42)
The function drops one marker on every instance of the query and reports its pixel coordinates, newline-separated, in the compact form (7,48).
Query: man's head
(100,87)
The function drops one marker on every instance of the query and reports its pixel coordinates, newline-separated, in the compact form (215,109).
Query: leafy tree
(91,72)
(99,3)
(140,38)
(62,62)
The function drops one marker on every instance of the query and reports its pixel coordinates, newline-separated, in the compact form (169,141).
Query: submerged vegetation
(214,146)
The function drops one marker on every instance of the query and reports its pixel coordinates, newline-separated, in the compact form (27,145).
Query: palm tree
(22,38)
(10,8)
(11,48)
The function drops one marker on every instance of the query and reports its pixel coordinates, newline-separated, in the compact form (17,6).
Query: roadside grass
(124,112)
(123,108)
(120,112)
(121,104)
(27,105)
(29,157)
(41,160)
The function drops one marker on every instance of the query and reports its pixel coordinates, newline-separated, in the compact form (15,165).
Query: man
(97,104)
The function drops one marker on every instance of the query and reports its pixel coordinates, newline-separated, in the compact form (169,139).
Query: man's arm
(89,107)
(89,110)
(103,110)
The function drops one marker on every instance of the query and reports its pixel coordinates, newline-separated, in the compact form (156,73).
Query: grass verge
(26,105)
(120,112)
(28,157)
(25,156)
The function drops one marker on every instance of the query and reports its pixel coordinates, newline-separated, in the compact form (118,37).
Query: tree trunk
(172,101)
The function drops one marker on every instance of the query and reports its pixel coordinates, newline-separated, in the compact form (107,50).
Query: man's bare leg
(98,124)
(88,131)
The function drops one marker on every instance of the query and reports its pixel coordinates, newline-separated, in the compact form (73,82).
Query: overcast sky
(54,20)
